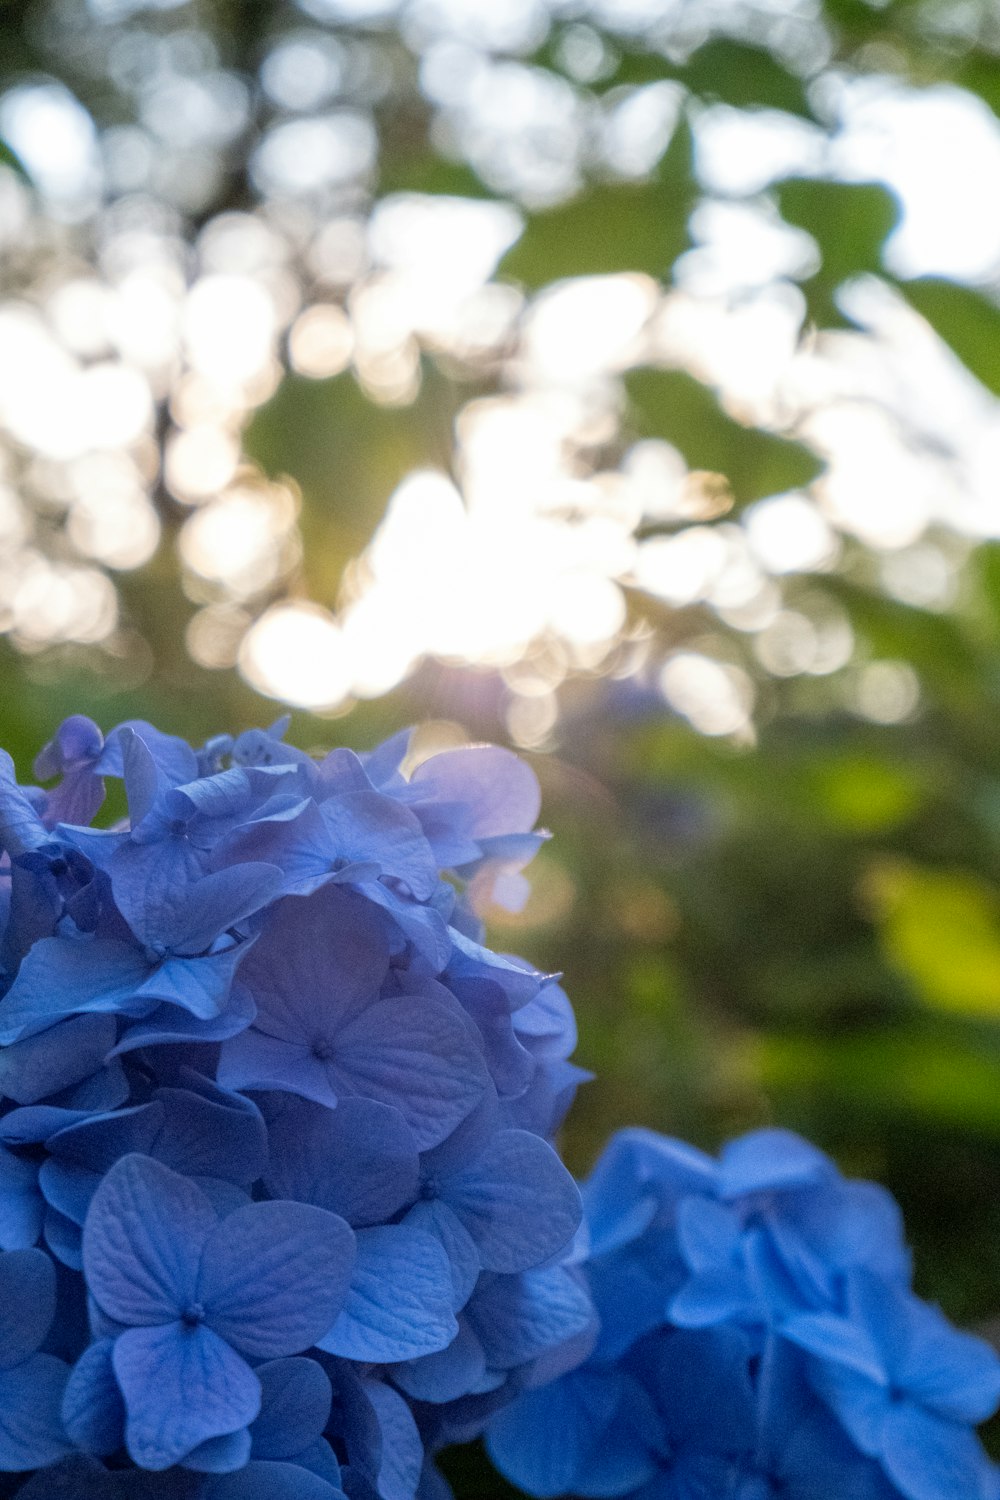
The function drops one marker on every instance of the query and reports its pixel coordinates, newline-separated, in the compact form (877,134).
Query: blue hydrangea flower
(758,1339)
(275,1122)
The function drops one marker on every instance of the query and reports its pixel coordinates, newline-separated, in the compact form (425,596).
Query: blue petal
(954,1373)
(274,1276)
(142,1242)
(171,1024)
(63,976)
(931,1458)
(520,1317)
(517,1201)
(712,1297)
(447,1374)
(295,1407)
(639,1171)
(496,790)
(838,1340)
(181,1386)
(93,1411)
(709,1234)
(31,1430)
(211,1133)
(174,758)
(142,779)
(27,1303)
(198,985)
(221,1455)
(435,1217)
(418,1057)
(21,1205)
(217,902)
(62,1056)
(359,1160)
(402,1456)
(98,1142)
(270,1481)
(400,1298)
(769,1161)
(21,828)
(547,1440)
(366,825)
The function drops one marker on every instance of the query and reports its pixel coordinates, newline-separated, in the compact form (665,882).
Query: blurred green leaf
(620,226)
(347,453)
(913,1073)
(967,321)
(865,793)
(745,76)
(673,405)
(942,929)
(935,644)
(850,222)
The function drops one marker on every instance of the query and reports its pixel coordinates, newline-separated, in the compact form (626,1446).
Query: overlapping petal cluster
(279,1212)
(759,1338)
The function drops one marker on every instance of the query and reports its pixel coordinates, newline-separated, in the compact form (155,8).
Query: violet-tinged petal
(181,1385)
(142,1242)
(497,791)
(21,828)
(358,1160)
(399,1303)
(173,757)
(274,1276)
(416,1056)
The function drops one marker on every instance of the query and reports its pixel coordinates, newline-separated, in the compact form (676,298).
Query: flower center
(322,1049)
(193,1315)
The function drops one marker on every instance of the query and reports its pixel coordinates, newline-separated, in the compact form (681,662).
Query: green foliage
(673,405)
(965,320)
(850,222)
(613,226)
(941,928)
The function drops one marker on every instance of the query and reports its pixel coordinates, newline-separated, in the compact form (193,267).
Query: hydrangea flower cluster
(279,1211)
(758,1338)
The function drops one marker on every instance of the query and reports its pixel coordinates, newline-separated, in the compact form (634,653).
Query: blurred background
(617,379)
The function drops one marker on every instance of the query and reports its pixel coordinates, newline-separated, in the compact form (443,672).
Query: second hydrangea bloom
(758,1339)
